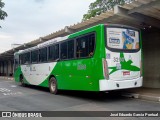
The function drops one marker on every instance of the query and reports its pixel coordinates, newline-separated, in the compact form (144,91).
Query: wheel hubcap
(53,86)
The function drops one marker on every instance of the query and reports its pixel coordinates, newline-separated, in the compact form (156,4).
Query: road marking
(13,85)
(4,90)
(11,93)
(8,92)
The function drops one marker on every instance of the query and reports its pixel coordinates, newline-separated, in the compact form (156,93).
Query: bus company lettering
(81,67)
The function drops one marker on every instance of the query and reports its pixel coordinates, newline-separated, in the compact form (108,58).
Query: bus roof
(41,45)
(58,39)
(55,40)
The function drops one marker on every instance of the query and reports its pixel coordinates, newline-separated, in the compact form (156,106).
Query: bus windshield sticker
(108,56)
(114,40)
(121,38)
(83,45)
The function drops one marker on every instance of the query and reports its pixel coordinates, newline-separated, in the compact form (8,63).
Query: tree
(3,14)
(100,6)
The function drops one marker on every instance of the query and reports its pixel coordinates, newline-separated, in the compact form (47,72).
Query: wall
(151,53)
(6,68)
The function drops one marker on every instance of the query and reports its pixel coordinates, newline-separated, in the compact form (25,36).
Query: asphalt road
(32,98)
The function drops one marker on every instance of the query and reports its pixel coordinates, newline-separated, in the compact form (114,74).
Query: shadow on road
(96,96)
(88,95)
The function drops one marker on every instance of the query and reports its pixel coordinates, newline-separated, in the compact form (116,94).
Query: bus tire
(53,86)
(22,81)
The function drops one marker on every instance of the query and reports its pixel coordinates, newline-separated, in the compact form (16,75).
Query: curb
(7,78)
(141,96)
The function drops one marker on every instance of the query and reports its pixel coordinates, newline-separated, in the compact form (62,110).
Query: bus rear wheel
(22,81)
(53,86)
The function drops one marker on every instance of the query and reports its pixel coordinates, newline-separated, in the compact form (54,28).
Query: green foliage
(3,14)
(100,6)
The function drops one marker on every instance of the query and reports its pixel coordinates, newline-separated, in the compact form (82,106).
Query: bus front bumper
(106,85)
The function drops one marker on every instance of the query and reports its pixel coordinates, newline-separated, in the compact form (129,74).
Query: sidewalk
(152,94)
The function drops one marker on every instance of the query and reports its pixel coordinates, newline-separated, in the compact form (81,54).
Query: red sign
(126,73)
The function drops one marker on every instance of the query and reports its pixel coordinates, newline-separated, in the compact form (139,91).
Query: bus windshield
(122,38)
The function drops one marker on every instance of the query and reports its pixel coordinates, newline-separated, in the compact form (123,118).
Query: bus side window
(85,46)
(64,50)
(25,58)
(82,46)
(21,59)
(91,44)
(53,52)
(43,55)
(70,49)
(56,56)
(16,61)
(34,56)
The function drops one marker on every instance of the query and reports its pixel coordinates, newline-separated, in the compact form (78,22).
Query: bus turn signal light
(105,69)
(141,69)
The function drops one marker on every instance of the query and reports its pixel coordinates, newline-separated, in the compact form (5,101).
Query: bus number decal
(117,59)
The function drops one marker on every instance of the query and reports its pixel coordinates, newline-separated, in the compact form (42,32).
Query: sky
(30,19)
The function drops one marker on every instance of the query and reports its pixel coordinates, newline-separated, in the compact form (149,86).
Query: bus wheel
(53,86)
(22,81)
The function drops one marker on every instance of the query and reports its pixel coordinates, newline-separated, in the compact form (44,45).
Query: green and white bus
(101,58)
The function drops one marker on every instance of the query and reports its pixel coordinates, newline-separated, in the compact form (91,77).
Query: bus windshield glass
(122,38)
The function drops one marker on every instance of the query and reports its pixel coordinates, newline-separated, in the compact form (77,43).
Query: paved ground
(14,97)
(150,94)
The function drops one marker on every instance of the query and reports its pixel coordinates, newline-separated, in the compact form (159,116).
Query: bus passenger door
(83,70)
